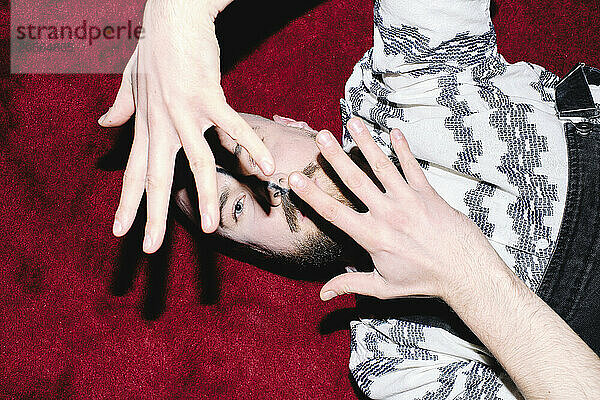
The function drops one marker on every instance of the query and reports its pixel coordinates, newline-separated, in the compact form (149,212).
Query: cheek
(274,233)
(269,231)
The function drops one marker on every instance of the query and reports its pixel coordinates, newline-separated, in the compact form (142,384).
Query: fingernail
(324,138)
(206,222)
(102,118)
(147,242)
(267,166)
(355,125)
(397,135)
(117,228)
(297,181)
(328,295)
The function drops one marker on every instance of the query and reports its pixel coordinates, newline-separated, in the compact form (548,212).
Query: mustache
(290,211)
(290,202)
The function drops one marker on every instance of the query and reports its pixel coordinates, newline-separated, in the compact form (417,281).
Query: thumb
(365,283)
(123,107)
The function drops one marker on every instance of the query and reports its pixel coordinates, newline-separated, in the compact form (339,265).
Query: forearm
(541,353)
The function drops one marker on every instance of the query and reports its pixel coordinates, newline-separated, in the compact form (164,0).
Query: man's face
(266,215)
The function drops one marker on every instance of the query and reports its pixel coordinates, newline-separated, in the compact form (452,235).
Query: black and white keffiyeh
(489,141)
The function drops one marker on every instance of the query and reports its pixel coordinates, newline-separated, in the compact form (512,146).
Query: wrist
(481,277)
(475,264)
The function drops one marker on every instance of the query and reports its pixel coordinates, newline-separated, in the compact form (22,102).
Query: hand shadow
(131,255)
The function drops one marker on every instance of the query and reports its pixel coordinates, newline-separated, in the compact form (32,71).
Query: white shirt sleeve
(395,359)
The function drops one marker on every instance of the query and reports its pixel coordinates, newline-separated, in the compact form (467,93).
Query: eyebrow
(222,201)
(224,196)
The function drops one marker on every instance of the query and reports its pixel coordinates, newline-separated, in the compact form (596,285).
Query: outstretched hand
(418,243)
(172,83)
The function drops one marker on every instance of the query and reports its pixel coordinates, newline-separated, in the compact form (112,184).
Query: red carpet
(249,334)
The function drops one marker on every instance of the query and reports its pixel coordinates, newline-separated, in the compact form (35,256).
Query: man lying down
(489,141)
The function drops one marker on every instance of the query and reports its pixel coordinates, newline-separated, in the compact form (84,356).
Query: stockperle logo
(73,36)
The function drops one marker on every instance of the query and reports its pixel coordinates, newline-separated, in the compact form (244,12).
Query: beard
(319,252)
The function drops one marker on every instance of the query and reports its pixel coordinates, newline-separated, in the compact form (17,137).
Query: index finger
(340,215)
(239,130)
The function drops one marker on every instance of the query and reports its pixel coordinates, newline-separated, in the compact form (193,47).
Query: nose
(276,187)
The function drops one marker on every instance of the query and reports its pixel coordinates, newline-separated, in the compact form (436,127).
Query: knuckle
(382,295)
(157,223)
(173,149)
(398,221)
(332,151)
(422,185)
(133,180)
(383,164)
(379,242)
(354,181)
(236,133)
(308,191)
(155,184)
(201,164)
(122,213)
(127,79)
(170,146)
(330,213)
(152,121)
(345,288)
(363,132)
(250,166)
(167,100)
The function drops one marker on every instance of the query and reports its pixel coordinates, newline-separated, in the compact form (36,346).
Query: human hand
(418,243)
(172,83)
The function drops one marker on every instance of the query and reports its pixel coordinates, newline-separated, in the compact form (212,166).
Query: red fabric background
(64,334)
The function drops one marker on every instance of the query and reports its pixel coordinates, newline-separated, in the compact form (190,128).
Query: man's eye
(238,208)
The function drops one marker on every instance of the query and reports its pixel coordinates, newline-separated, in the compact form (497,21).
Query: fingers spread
(352,176)
(382,166)
(412,170)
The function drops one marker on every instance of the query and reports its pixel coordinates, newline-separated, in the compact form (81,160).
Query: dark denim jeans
(571,284)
